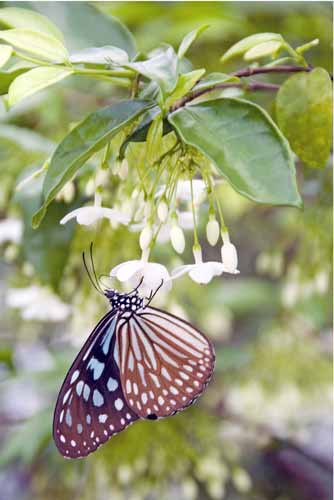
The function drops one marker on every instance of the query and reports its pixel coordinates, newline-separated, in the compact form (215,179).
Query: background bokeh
(262,431)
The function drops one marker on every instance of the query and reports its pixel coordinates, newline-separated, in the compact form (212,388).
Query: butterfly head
(124,301)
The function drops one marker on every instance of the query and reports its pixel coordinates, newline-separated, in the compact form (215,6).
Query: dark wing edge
(91,407)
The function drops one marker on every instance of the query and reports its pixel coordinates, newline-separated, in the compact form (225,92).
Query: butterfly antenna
(93,266)
(135,289)
(89,275)
(152,295)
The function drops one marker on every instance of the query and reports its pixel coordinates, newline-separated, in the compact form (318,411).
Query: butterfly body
(139,362)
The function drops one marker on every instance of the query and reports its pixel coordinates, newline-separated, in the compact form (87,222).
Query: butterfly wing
(165,363)
(91,406)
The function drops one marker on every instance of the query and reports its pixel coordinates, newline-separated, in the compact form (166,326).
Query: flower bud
(212,231)
(123,169)
(197,251)
(163,211)
(145,237)
(177,239)
(229,255)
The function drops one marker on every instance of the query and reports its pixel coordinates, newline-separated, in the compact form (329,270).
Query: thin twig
(284,68)
(251,87)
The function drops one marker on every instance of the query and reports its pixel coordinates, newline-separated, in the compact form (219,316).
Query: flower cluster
(161,207)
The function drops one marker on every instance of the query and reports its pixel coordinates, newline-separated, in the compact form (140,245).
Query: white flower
(89,215)
(212,231)
(201,272)
(11,230)
(36,303)
(229,255)
(177,238)
(152,273)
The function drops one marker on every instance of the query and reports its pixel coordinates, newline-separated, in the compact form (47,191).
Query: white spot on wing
(112,384)
(98,399)
(119,404)
(74,376)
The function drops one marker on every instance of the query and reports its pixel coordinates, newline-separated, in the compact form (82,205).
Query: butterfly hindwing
(165,363)
(91,406)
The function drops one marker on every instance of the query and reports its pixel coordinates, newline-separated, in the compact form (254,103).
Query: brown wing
(165,363)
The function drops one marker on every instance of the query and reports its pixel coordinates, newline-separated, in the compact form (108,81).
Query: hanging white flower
(37,303)
(229,255)
(152,274)
(201,272)
(89,215)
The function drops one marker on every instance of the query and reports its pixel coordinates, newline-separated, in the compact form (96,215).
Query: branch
(245,72)
(251,87)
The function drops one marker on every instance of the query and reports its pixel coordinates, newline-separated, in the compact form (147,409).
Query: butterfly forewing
(165,363)
(91,406)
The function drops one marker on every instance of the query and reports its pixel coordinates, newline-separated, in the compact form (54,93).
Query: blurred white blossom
(37,303)
(11,230)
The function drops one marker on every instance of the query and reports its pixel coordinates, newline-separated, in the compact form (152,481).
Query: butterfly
(139,362)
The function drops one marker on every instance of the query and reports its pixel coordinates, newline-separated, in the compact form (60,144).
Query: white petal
(181,270)
(202,273)
(126,270)
(88,215)
(69,216)
(154,274)
(115,215)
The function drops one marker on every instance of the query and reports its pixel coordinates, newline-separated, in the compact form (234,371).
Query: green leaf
(304,113)
(261,50)
(38,44)
(189,39)
(47,249)
(248,43)
(6,77)
(215,79)
(154,136)
(34,80)
(185,83)
(140,132)
(246,146)
(100,55)
(91,135)
(5,54)
(14,17)
(161,68)
(84,26)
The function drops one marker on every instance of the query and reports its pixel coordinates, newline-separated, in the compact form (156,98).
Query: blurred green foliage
(270,325)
